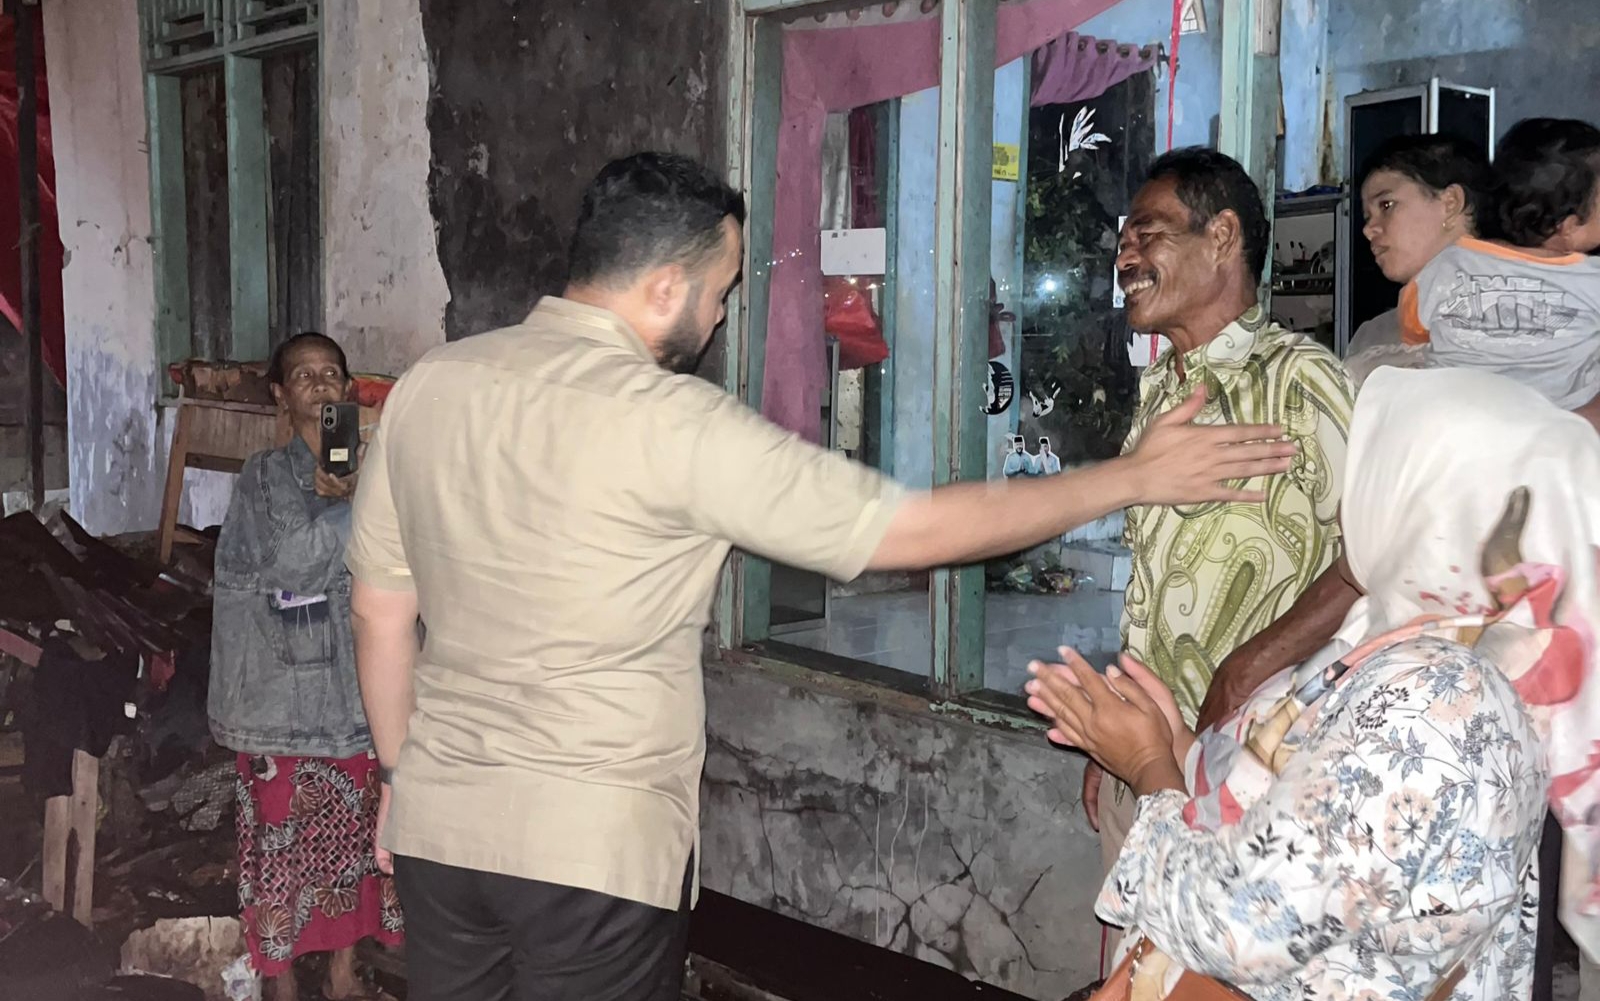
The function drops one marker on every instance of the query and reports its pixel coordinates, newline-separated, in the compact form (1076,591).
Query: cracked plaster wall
(961,845)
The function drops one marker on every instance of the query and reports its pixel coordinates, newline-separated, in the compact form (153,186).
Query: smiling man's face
(1165,265)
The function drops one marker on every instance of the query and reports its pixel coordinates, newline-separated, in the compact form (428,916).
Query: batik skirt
(308,881)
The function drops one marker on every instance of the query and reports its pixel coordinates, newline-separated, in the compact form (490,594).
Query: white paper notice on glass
(1144,349)
(855,251)
(1117,299)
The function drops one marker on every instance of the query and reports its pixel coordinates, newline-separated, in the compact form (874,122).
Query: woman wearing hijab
(1365,826)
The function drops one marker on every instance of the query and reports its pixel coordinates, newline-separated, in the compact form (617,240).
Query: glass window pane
(1065,351)
(880,171)
(878,174)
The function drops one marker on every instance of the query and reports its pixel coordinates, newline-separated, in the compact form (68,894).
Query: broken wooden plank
(69,837)
(85,810)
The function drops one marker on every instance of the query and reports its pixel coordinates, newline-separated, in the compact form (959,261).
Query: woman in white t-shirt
(1419,195)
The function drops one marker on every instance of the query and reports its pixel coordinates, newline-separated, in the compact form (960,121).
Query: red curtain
(52,325)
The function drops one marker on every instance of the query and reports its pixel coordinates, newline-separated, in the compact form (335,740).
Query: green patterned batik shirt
(1207,577)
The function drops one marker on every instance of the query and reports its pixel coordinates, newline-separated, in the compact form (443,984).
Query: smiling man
(1207,577)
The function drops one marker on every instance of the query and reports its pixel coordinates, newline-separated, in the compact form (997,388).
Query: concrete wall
(869,815)
(385,292)
(529,101)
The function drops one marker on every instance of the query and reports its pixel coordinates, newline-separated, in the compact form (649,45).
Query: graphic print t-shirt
(1532,319)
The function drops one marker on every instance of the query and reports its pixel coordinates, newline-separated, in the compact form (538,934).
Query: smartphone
(341,437)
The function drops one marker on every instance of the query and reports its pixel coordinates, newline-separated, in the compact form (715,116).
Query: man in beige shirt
(555,500)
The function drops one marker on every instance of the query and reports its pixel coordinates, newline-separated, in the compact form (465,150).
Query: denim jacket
(283,673)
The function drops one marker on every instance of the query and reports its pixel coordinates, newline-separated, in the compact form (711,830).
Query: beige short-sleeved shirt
(562,506)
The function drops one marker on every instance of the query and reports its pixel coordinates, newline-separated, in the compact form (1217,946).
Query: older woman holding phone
(284,695)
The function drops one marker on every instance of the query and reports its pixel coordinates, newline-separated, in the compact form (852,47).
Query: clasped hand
(1126,720)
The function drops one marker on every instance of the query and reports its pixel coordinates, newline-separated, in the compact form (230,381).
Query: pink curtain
(1078,67)
(836,70)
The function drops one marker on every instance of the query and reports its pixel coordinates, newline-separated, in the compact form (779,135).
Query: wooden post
(169,225)
(764,101)
(25,13)
(961,336)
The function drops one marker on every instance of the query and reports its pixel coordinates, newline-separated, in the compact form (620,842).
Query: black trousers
(478,936)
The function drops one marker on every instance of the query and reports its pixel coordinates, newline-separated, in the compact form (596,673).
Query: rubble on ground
(87,624)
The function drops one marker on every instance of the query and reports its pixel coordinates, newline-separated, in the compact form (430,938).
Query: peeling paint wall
(529,101)
(1539,53)
(961,845)
(384,289)
(116,443)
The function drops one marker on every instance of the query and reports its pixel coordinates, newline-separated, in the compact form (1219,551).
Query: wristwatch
(385,774)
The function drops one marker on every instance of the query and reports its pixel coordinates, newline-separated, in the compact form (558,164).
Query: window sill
(895,691)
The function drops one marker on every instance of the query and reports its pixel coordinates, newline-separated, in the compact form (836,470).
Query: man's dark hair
(1209,183)
(1545,170)
(1436,162)
(647,210)
(280,355)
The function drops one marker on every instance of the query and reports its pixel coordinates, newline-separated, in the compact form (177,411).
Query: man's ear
(665,289)
(1227,235)
(279,395)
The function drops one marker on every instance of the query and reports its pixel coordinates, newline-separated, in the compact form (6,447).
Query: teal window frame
(178,36)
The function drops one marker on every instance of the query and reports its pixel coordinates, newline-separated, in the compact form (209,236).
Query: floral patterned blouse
(1400,837)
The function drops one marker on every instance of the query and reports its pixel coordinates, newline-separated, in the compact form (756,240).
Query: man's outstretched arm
(1175,462)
